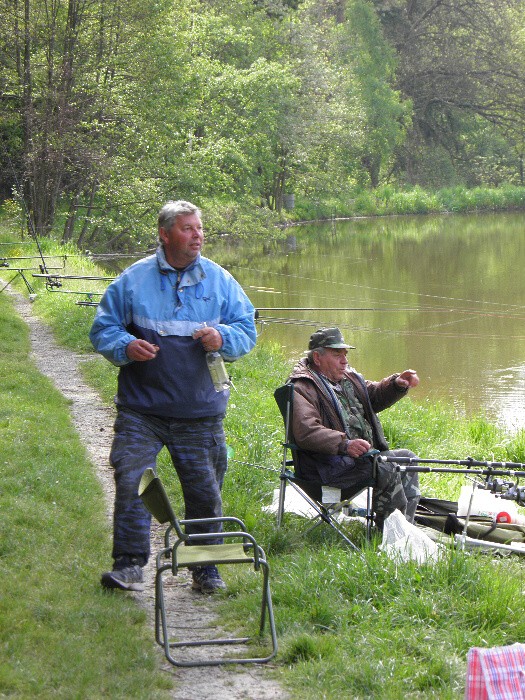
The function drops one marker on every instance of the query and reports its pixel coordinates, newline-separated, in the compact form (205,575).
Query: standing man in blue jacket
(156,322)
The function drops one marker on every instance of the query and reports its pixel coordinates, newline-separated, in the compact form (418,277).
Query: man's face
(183,241)
(332,363)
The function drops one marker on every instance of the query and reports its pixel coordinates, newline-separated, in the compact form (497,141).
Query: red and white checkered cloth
(496,674)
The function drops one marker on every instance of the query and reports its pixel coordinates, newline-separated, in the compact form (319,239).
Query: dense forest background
(110,107)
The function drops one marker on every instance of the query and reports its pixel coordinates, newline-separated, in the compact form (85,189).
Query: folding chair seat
(183,550)
(325,500)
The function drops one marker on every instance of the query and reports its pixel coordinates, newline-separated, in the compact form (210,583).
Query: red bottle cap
(503,517)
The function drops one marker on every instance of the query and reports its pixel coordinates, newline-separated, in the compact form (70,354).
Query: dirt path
(94,423)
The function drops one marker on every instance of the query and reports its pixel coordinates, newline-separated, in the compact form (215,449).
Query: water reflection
(443,295)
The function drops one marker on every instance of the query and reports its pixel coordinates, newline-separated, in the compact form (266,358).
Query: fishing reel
(499,486)
(515,493)
(53,282)
(507,490)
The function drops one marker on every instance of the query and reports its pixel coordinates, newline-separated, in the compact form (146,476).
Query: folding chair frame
(325,513)
(240,548)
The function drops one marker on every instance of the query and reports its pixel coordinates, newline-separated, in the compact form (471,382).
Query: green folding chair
(183,550)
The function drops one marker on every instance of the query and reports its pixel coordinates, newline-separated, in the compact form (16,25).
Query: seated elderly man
(335,424)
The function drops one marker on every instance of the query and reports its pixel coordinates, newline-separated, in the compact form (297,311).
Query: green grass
(388,200)
(371,629)
(359,627)
(61,635)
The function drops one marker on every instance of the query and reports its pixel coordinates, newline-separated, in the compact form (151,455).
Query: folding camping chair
(240,548)
(325,500)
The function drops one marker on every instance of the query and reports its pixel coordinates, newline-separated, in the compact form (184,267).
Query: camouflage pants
(395,490)
(198,452)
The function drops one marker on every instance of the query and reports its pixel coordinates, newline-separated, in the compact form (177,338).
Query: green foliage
(239,221)
(250,102)
(386,114)
(367,627)
(461,65)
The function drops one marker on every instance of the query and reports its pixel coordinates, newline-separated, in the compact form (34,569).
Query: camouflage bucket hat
(328,338)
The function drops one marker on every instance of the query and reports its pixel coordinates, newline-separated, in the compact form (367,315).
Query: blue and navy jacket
(153,301)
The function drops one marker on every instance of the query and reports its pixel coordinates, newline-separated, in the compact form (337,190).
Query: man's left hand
(407,379)
(210,338)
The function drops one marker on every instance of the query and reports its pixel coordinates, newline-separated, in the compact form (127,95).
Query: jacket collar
(192,274)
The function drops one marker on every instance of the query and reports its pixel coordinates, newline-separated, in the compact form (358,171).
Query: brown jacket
(318,429)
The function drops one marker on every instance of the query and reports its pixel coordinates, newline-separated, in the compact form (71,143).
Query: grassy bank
(388,201)
(61,635)
(248,219)
(360,627)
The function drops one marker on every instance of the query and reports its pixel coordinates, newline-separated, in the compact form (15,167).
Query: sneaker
(206,579)
(128,578)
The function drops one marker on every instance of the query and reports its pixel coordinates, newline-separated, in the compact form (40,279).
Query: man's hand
(141,351)
(407,379)
(210,338)
(358,447)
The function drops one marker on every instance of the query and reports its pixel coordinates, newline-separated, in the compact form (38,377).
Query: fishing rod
(76,291)
(6,262)
(442,298)
(89,296)
(267,320)
(76,277)
(89,301)
(28,217)
(355,308)
(29,257)
(54,284)
(506,490)
(120,255)
(333,308)
(488,469)
(383,309)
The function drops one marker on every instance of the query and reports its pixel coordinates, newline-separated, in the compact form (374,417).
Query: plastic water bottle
(484,503)
(218,373)
(217,368)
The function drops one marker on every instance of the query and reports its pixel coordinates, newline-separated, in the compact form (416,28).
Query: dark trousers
(395,490)
(198,452)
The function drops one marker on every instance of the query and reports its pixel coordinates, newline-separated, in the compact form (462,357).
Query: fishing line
(382,331)
(396,309)
(381,289)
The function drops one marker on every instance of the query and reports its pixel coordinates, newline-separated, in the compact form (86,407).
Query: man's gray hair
(171,210)
(310,354)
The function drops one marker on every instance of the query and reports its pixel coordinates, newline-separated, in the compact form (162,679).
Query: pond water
(442,295)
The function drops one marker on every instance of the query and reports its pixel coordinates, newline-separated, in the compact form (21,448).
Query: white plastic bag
(484,503)
(405,542)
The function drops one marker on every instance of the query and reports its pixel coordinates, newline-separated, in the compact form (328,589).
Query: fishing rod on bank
(29,219)
(53,283)
(488,468)
(507,490)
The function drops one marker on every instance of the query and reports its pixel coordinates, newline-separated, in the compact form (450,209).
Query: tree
(363,117)
(456,57)
(66,63)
